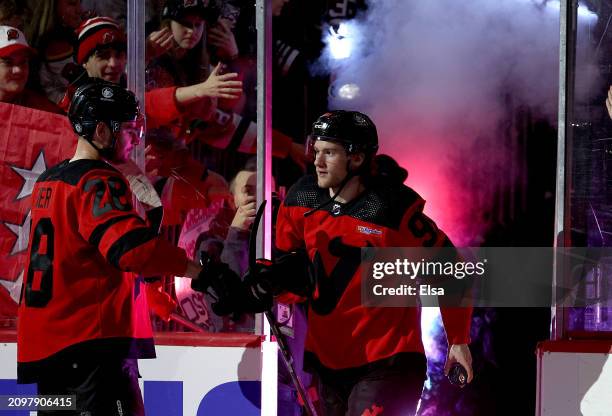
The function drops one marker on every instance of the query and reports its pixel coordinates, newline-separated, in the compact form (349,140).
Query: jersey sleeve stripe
(127,242)
(98,232)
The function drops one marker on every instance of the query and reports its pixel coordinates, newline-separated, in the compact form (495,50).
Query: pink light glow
(441,183)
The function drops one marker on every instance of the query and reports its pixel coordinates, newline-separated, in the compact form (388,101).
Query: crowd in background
(200,107)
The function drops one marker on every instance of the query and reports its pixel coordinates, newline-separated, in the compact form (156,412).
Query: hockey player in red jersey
(368,360)
(82,320)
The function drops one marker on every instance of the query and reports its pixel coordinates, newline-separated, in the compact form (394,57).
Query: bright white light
(431,324)
(343,30)
(340,42)
(430,320)
(583,11)
(348,91)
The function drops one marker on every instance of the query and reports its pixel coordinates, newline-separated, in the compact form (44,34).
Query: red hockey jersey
(341,332)
(76,298)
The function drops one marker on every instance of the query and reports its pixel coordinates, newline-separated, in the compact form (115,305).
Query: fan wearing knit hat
(15,54)
(102,49)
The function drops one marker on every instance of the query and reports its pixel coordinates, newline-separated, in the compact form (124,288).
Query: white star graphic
(30,175)
(14,288)
(22,232)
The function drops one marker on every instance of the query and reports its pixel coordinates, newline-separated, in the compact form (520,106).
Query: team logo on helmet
(108,37)
(12,34)
(359,119)
(107,92)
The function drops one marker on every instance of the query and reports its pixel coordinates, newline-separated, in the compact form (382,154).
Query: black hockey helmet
(101,101)
(352,129)
(178,9)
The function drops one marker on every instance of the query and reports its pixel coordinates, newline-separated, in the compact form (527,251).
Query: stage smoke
(440,78)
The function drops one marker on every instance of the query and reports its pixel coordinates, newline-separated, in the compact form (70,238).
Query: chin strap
(333,198)
(106,152)
(346,179)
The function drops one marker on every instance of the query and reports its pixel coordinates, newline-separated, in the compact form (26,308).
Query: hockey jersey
(341,332)
(76,298)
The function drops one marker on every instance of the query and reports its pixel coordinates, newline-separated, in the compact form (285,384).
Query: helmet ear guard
(85,129)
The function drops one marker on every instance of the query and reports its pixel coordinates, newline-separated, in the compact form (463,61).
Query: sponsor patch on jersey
(367,230)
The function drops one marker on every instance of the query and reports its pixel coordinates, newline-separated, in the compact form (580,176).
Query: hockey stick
(280,337)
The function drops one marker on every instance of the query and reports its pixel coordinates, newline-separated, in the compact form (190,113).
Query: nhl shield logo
(107,92)
(12,34)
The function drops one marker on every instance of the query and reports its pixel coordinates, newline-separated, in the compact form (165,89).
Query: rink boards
(195,376)
(574,378)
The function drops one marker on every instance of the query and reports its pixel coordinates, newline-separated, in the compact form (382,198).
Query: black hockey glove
(231,295)
(289,273)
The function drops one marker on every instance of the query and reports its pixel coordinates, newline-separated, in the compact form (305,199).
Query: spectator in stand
(48,15)
(183,183)
(12,14)
(235,253)
(101,51)
(186,63)
(15,55)
(189,61)
(58,68)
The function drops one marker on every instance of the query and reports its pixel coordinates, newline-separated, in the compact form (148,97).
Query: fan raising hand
(220,85)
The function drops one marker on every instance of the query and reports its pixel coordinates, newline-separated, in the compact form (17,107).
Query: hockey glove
(289,273)
(230,294)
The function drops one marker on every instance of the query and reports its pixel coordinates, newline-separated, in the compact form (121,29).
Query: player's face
(14,70)
(128,137)
(108,64)
(330,163)
(188,32)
